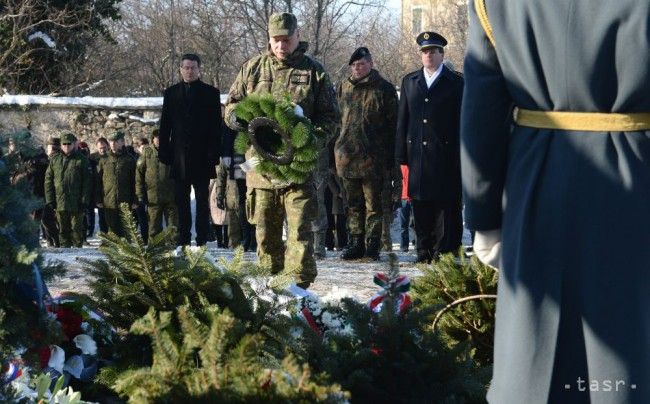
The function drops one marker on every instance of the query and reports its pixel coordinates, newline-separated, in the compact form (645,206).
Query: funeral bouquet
(76,356)
(285,142)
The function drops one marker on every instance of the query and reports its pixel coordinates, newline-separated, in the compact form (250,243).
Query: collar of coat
(296,57)
(370,78)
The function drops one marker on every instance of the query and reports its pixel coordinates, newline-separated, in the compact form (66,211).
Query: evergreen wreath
(285,143)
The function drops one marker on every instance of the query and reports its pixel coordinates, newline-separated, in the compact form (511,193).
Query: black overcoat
(427,138)
(190,131)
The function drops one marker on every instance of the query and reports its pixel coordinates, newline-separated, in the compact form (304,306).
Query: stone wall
(88,117)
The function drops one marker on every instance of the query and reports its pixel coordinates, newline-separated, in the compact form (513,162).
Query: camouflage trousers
(157,212)
(364,206)
(267,209)
(114,222)
(71,228)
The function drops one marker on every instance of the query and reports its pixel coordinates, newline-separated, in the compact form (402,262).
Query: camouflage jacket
(302,77)
(115,180)
(366,142)
(68,181)
(153,182)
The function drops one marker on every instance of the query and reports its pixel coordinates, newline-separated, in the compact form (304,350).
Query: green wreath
(285,143)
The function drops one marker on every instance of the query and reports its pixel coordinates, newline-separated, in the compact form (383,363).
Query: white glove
(487,247)
(249,164)
(297,109)
(225,161)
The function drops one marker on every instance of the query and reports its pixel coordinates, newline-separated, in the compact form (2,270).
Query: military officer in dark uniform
(558,193)
(427,141)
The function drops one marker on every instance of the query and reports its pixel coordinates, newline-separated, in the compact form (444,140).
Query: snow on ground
(334,274)
(88,102)
(344,277)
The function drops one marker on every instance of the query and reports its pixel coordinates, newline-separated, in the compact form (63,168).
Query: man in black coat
(190,138)
(427,140)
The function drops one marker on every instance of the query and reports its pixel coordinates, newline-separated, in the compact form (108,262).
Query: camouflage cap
(68,138)
(54,141)
(116,135)
(282,24)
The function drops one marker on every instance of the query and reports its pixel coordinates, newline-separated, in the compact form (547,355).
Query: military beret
(282,24)
(430,39)
(68,138)
(54,141)
(360,53)
(116,135)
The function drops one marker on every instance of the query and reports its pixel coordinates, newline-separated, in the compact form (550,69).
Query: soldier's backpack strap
(481,11)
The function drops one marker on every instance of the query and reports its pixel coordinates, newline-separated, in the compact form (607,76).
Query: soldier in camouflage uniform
(67,190)
(364,150)
(49,225)
(115,183)
(286,69)
(155,188)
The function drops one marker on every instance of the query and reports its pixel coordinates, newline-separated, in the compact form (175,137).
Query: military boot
(372,249)
(355,249)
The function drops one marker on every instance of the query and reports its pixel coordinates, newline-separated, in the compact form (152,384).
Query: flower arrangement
(76,355)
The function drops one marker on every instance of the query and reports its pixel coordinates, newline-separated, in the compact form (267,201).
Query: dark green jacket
(366,143)
(68,180)
(115,180)
(153,183)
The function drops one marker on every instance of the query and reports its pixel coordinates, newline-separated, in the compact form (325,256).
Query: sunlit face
(432,58)
(361,68)
(102,148)
(283,46)
(116,145)
(190,70)
(51,149)
(68,148)
(156,141)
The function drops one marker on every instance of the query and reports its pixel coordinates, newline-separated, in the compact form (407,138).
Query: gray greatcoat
(574,207)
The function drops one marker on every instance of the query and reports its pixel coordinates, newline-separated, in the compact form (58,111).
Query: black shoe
(372,249)
(423,257)
(356,248)
(303,285)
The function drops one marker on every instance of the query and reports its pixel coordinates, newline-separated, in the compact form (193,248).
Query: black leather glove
(221,202)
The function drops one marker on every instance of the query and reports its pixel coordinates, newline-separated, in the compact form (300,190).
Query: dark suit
(427,141)
(190,138)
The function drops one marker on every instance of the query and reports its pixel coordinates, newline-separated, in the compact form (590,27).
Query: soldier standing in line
(67,190)
(364,150)
(102,151)
(115,183)
(89,212)
(286,69)
(155,188)
(49,225)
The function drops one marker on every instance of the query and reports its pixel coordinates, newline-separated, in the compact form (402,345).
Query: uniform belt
(583,121)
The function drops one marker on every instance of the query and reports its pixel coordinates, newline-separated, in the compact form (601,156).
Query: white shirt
(433,77)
